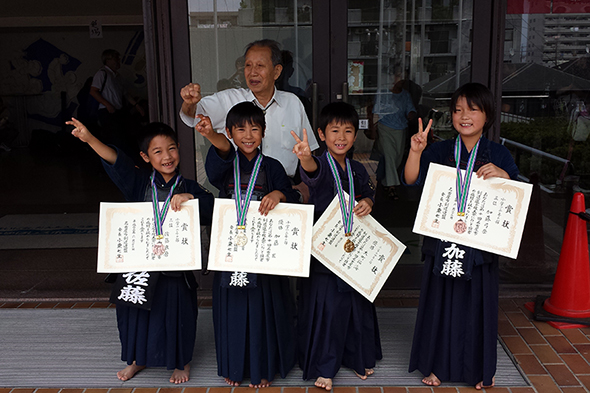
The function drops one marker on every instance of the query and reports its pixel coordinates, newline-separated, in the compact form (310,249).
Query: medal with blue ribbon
(463,184)
(160,216)
(242,203)
(345,208)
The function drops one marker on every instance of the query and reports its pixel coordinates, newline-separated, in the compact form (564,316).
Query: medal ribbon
(160,217)
(242,207)
(462,187)
(345,209)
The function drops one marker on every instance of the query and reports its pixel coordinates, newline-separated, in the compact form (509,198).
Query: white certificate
(371,262)
(495,212)
(126,237)
(279,243)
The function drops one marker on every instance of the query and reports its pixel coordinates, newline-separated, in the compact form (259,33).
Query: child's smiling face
(468,120)
(247,138)
(162,154)
(339,138)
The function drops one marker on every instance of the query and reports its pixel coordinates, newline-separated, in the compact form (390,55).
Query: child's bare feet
(480,385)
(180,376)
(232,383)
(368,372)
(263,384)
(324,383)
(431,380)
(128,372)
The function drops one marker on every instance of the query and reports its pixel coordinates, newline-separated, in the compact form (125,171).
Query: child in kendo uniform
(254,315)
(337,326)
(164,335)
(455,337)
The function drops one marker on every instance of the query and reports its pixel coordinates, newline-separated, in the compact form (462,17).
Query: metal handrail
(538,152)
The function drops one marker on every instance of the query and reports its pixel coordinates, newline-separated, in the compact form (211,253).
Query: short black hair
(275,51)
(109,54)
(245,112)
(477,95)
(339,112)
(153,130)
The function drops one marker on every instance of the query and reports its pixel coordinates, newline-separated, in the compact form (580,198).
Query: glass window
(545,122)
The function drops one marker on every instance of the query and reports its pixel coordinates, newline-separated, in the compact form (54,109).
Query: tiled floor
(553,360)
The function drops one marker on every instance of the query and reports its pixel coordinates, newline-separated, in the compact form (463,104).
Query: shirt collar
(110,70)
(275,98)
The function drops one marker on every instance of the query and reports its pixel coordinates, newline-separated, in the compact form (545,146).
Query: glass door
(368,53)
(403,61)
(219,32)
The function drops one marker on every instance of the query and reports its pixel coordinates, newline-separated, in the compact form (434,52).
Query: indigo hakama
(163,336)
(337,326)
(456,329)
(254,324)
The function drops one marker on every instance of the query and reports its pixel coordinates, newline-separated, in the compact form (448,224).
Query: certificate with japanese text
(126,238)
(279,243)
(375,254)
(494,216)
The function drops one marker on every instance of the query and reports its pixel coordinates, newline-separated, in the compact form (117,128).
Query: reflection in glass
(405,59)
(545,121)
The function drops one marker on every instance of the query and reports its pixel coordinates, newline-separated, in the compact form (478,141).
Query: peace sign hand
(301,148)
(419,140)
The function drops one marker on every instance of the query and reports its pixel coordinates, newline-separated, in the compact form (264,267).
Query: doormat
(79,348)
(35,231)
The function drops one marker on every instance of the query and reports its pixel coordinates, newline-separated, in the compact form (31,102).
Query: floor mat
(77,348)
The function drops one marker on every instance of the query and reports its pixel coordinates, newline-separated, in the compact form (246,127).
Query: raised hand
(204,126)
(419,140)
(80,131)
(191,93)
(301,148)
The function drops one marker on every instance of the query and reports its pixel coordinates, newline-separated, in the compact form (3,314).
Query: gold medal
(348,244)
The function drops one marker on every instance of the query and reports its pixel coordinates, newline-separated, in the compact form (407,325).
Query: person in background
(394,109)
(113,114)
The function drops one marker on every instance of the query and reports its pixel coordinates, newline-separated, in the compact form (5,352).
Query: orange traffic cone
(570,296)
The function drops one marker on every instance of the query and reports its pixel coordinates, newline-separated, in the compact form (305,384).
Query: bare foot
(324,383)
(263,384)
(180,376)
(128,372)
(368,372)
(232,383)
(480,385)
(431,380)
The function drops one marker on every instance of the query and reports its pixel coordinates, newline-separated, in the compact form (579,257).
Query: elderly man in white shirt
(284,111)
